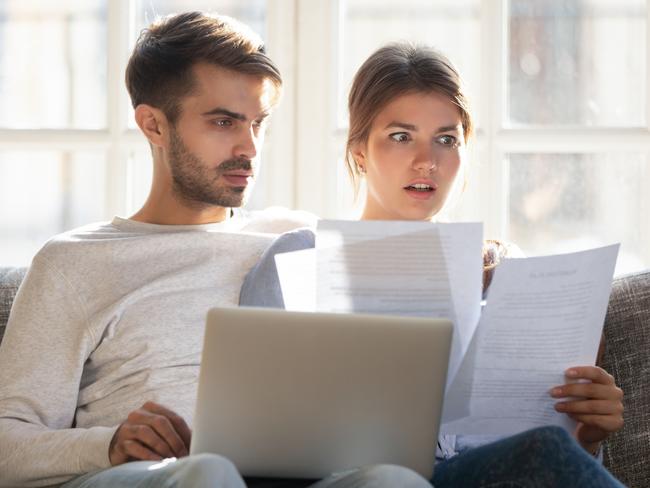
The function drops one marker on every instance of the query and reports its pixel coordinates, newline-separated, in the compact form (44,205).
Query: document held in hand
(390,267)
(543,315)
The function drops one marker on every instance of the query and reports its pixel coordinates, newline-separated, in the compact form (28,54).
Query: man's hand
(597,405)
(150,433)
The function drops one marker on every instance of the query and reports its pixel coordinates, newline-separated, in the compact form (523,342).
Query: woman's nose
(425,163)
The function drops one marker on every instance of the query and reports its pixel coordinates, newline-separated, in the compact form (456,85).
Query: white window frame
(487,201)
(304,140)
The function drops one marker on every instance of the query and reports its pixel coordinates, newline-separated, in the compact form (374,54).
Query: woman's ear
(152,123)
(359,155)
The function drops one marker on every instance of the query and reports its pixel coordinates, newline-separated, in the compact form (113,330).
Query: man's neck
(181,215)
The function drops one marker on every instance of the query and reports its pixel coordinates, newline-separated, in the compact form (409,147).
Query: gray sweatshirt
(110,316)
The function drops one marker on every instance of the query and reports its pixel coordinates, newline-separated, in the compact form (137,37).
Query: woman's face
(413,153)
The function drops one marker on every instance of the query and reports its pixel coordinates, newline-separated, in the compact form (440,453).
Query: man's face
(215,142)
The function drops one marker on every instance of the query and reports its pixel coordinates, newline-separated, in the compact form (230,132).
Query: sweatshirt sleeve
(261,287)
(42,356)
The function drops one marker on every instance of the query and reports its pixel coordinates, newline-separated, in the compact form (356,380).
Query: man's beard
(197,184)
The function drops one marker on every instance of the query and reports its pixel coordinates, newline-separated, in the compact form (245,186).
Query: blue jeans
(543,457)
(212,471)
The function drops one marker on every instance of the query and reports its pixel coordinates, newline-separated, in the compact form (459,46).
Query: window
(560,158)
(559,90)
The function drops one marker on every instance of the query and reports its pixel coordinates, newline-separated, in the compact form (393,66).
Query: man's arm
(42,356)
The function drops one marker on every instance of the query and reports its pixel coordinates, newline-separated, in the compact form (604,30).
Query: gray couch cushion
(627,357)
(10,279)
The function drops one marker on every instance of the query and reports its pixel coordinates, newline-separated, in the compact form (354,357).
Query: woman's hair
(159,72)
(392,71)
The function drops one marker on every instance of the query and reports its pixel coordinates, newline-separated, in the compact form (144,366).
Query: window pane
(252,13)
(567,202)
(577,62)
(52,64)
(452,26)
(44,193)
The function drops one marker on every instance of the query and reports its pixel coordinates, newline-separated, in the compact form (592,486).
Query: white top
(109,316)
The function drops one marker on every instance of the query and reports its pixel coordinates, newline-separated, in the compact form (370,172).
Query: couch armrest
(627,357)
(10,279)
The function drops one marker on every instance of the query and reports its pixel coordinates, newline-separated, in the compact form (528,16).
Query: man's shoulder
(68,245)
(278,220)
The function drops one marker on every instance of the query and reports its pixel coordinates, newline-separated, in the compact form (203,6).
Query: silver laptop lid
(292,394)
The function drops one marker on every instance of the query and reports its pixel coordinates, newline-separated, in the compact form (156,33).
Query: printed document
(393,267)
(543,315)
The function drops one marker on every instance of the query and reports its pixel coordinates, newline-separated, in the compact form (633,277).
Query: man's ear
(153,124)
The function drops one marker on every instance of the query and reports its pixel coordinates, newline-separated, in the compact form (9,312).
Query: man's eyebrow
(234,115)
(226,112)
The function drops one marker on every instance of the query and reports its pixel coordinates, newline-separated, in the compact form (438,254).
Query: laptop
(303,395)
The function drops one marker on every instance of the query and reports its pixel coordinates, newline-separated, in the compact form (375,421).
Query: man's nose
(247,145)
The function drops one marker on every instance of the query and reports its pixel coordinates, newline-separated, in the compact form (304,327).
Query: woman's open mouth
(420,190)
(419,187)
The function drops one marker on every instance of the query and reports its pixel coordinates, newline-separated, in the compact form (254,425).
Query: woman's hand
(597,405)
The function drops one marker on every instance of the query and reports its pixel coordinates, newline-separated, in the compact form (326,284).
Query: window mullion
(119,20)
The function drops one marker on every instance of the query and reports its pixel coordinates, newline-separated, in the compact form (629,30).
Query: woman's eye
(447,140)
(400,137)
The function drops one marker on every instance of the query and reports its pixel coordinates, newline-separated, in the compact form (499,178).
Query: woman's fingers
(588,390)
(590,407)
(593,373)
(606,423)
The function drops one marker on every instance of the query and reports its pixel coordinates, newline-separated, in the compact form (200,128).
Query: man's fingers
(134,449)
(179,425)
(150,437)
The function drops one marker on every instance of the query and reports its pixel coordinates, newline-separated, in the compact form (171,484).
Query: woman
(409,127)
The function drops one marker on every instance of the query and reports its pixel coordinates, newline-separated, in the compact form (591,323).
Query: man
(99,364)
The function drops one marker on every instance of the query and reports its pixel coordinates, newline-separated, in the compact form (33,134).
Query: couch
(626,356)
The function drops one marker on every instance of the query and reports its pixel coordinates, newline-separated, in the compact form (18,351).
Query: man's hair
(159,72)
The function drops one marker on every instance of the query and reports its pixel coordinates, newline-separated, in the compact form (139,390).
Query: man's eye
(447,140)
(400,137)
(223,123)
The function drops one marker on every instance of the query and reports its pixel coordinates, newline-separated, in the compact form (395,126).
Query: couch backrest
(10,279)
(627,358)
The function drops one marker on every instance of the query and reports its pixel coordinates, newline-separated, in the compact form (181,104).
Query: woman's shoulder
(295,240)
(494,251)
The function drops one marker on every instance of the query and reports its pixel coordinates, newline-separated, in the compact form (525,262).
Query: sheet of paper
(543,315)
(403,268)
(297,274)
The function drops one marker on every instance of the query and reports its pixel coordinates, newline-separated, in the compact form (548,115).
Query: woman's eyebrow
(401,125)
(449,128)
